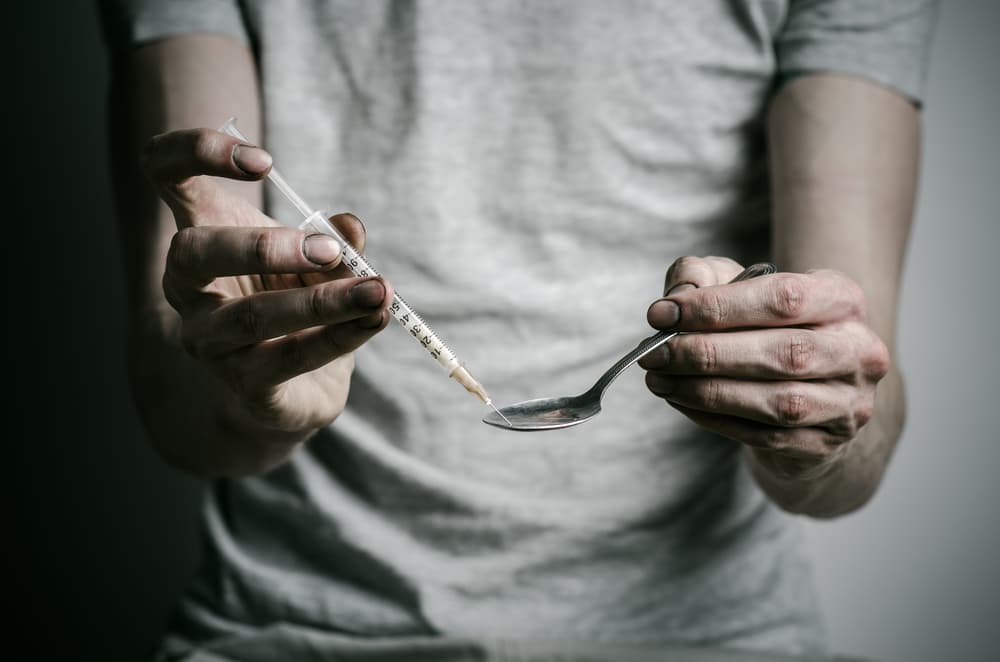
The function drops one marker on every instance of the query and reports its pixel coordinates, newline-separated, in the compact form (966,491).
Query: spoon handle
(651,343)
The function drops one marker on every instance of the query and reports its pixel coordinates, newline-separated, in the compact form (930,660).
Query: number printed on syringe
(400,311)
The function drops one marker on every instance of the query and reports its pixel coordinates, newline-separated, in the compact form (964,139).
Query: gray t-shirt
(526,173)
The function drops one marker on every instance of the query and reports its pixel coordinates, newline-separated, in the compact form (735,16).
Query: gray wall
(104,535)
(915,576)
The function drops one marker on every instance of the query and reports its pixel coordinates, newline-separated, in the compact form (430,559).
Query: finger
(175,162)
(789,353)
(827,404)
(784,299)
(351,229)
(260,367)
(267,315)
(198,255)
(688,273)
(811,446)
(700,272)
(171,158)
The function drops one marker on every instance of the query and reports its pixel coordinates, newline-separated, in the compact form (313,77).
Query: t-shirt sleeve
(129,23)
(887,41)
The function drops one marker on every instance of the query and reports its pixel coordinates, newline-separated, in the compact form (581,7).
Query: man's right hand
(267,309)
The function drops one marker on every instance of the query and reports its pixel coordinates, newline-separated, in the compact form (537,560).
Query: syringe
(316,221)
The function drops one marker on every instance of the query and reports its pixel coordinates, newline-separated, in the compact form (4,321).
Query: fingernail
(368,294)
(663,314)
(660,384)
(251,160)
(321,249)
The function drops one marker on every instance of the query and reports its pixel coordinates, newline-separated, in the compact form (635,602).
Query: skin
(242,332)
(800,366)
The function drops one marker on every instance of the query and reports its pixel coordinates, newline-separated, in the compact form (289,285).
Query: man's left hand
(784,363)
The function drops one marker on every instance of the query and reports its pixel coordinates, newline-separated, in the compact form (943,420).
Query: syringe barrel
(400,311)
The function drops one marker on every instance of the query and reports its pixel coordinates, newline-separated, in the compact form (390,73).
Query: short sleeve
(129,23)
(887,41)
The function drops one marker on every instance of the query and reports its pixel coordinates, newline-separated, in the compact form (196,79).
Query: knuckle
(789,296)
(709,393)
(184,254)
(266,249)
(154,156)
(712,309)
(684,264)
(316,304)
(842,429)
(248,320)
(845,427)
(187,189)
(206,146)
(704,355)
(791,408)
(862,414)
(876,362)
(778,440)
(688,269)
(799,354)
(854,299)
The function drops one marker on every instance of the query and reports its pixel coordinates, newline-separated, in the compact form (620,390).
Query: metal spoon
(555,413)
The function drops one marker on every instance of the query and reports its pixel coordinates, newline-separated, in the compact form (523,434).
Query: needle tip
(499,413)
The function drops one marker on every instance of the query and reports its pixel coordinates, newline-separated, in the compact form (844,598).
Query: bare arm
(799,366)
(240,338)
(844,164)
(167,85)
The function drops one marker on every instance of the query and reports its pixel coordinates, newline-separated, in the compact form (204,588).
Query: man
(527,173)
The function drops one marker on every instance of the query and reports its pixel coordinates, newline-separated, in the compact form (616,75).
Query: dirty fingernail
(368,294)
(663,314)
(320,249)
(251,160)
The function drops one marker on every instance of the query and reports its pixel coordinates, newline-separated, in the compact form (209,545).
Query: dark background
(103,535)
(108,534)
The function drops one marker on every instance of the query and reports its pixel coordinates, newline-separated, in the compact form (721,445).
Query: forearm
(844,161)
(183,82)
(848,483)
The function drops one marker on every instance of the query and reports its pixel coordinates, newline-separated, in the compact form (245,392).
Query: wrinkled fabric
(526,173)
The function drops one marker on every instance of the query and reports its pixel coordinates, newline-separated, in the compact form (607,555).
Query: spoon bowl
(546,413)
(566,411)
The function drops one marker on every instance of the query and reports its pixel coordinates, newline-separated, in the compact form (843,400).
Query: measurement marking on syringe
(316,221)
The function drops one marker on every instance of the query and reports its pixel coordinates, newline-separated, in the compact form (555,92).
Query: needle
(500,413)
